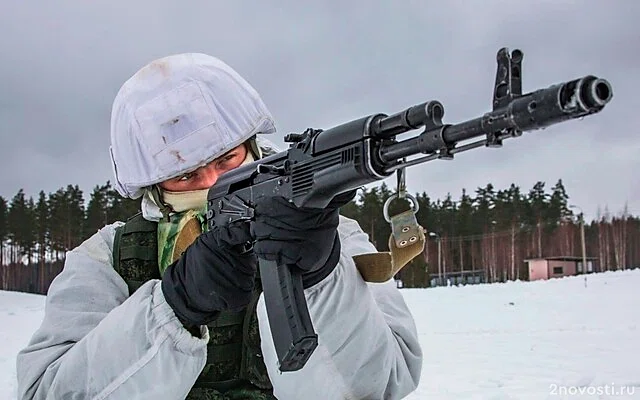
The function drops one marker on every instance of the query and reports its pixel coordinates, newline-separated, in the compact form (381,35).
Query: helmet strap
(253,148)
(165,209)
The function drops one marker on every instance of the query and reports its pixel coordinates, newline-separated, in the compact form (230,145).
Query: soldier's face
(205,177)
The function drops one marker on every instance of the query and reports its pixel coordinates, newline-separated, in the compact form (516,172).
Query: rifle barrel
(535,110)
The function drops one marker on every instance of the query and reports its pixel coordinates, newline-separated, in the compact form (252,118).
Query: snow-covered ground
(549,339)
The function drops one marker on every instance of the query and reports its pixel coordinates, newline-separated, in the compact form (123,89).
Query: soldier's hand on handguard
(213,274)
(306,237)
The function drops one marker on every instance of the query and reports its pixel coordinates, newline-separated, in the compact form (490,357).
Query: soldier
(160,308)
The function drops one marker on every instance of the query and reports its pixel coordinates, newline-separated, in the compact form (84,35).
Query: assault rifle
(321,164)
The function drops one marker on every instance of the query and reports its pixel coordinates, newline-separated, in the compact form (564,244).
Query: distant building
(556,267)
(466,277)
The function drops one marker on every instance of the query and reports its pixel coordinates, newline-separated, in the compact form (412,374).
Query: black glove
(212,275)
(306,237)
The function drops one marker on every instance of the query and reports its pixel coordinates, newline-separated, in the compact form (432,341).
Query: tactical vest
(235,368)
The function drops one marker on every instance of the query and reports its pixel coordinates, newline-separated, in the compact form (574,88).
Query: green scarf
(175,235)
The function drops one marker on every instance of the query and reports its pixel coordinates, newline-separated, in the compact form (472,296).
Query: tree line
(35,234)
(490,230)
(495,230)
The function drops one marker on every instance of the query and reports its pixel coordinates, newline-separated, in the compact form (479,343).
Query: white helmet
(177,114)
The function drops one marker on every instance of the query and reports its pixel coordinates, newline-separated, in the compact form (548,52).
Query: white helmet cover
(177,114)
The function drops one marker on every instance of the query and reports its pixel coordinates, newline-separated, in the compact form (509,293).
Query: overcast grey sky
(324,63)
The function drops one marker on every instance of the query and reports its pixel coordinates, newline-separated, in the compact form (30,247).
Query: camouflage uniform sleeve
(96,342)
(368,346)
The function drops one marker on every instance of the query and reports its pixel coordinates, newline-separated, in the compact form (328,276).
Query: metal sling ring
(385,208)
